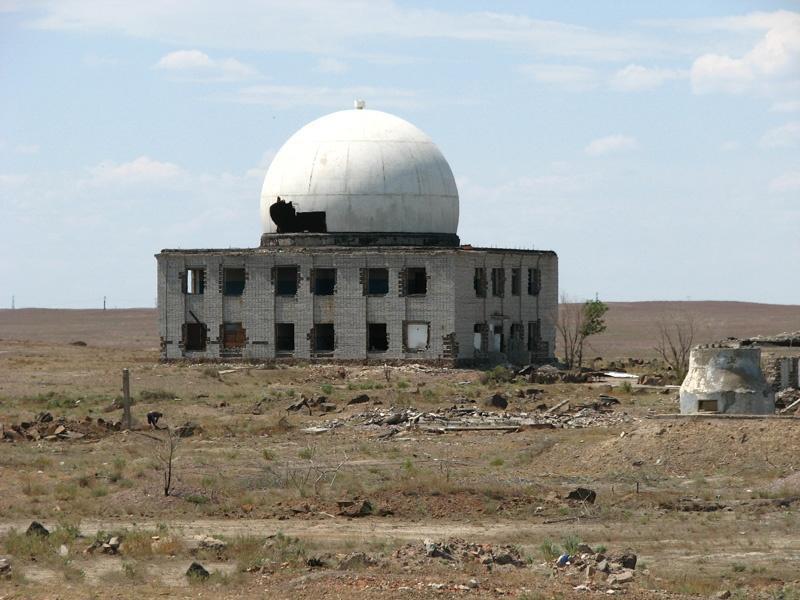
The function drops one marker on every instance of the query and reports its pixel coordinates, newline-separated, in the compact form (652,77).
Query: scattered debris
(355,508)
(497,401)
(692,505)
(46,427)
(597,567)
(459,551)
(36,528)
(582,495)
(206,542)
(108,544)
(5,567)
(358,400)
(197,571)
(188,429)
(356,560)
(471,418)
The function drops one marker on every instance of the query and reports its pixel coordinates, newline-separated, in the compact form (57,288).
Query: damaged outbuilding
(725,380)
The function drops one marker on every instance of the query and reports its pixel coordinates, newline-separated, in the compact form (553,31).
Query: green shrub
(549,550)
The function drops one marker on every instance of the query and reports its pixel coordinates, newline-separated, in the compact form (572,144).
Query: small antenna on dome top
(359,104)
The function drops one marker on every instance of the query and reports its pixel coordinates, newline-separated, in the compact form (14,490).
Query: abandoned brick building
(359,260)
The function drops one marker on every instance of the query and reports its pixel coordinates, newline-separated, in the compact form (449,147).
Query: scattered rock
(358,400)
(356,560)
(627,559)
(456,550)
(44,417)
(439,550)
(395,419)
(80,343)
(188,429)
(583,495)
(315,561)
(355,508)
(197,571)
(327,407)
(621,577)
(111,546)
(298,404)
(36,528)
(722,595)
(497,401)
(5,567)
(206,542)
(63,551)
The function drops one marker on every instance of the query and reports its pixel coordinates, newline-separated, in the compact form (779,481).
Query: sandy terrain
(708,505)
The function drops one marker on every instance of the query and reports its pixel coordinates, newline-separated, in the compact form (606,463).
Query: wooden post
(126,399)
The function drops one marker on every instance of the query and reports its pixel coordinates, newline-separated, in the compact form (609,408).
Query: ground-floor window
(233,337)
(324,337)
(416,335)
(377,338)
(534,335)
(194,337)
(284,338)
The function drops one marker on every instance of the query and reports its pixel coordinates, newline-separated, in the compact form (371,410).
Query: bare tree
(167,456)
(576,322)
(676,335)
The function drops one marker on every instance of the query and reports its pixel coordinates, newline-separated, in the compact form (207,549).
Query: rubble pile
(460,417)
(459,551)
(597,568)
(45,427)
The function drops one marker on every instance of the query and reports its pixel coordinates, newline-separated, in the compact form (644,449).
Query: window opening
(233,281)
(377,338)
(285,281)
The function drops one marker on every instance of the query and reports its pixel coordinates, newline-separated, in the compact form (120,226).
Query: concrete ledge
(711,416)
(442,240)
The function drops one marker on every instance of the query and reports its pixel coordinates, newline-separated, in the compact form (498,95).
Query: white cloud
(730,146)
(27,148)
(140,170)
(331,65)
(788,182)
(786,106)
(611,144)
(287,96)
(571,77)
(773,61)
(635,78)
(12,179)
(784,136)
(324,27)
(198,66)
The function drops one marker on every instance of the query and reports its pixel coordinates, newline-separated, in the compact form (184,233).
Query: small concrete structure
(726,381)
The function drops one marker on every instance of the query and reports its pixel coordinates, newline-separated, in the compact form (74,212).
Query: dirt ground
(708,505)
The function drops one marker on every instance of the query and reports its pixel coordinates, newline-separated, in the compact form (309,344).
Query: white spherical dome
(368,171)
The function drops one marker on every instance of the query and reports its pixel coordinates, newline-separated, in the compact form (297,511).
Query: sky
(655,146)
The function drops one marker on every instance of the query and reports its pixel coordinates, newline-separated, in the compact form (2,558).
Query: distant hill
(632,326)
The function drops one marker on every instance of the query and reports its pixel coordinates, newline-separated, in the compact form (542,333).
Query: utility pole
(13,300)
(104,302)
(126,399)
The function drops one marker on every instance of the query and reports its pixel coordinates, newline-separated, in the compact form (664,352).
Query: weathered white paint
(730,376)
(369,171)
